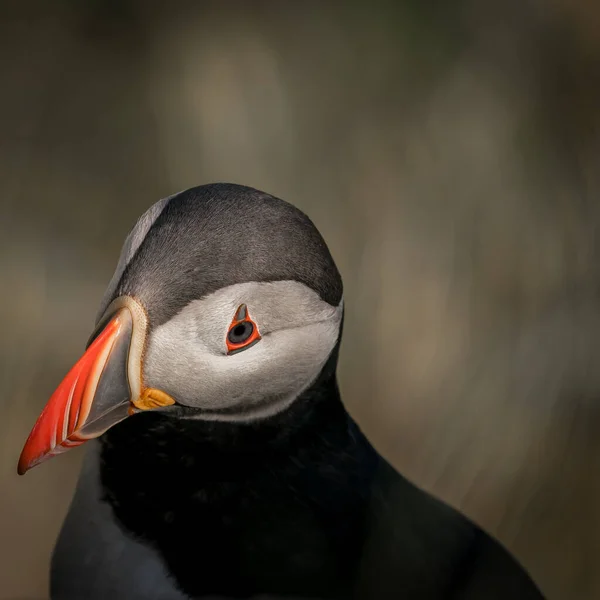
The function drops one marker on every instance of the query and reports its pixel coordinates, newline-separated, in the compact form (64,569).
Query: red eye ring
(243,331)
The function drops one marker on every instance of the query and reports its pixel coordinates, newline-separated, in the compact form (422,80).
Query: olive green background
(448,151)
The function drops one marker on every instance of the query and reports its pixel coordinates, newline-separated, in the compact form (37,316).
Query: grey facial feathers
(218,235)
(133,241)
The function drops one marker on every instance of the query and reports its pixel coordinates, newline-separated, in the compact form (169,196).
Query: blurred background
(449,151)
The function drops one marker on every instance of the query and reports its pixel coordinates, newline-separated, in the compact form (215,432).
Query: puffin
(220,460)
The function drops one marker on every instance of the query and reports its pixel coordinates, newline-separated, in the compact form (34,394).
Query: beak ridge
(70,417)
(103,387)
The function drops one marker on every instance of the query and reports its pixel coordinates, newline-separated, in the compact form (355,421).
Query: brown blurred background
(448,150)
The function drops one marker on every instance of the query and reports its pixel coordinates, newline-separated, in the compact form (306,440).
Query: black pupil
(240,333)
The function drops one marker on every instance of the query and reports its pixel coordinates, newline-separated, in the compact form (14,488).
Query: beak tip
(29,458)
(22,467)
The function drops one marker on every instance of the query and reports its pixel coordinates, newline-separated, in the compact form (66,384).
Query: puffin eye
(243,331)
(240,333)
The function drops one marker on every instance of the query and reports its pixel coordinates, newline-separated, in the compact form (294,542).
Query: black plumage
(298,506)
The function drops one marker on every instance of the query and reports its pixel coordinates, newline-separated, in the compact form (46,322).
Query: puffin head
(225,305)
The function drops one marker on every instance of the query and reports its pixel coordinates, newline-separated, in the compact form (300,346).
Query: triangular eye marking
(243,331)
(241,314)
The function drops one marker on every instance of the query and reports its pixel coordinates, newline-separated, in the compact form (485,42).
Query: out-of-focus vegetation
(449,152)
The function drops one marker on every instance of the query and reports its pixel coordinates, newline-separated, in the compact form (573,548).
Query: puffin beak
(103,388)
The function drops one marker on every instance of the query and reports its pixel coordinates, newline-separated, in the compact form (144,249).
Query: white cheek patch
(186,357)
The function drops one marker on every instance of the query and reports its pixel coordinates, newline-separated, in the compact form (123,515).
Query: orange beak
(102,389)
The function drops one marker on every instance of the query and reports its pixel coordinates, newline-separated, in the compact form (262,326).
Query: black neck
(315,417)
(317,421)
(317,408)
(301,475)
